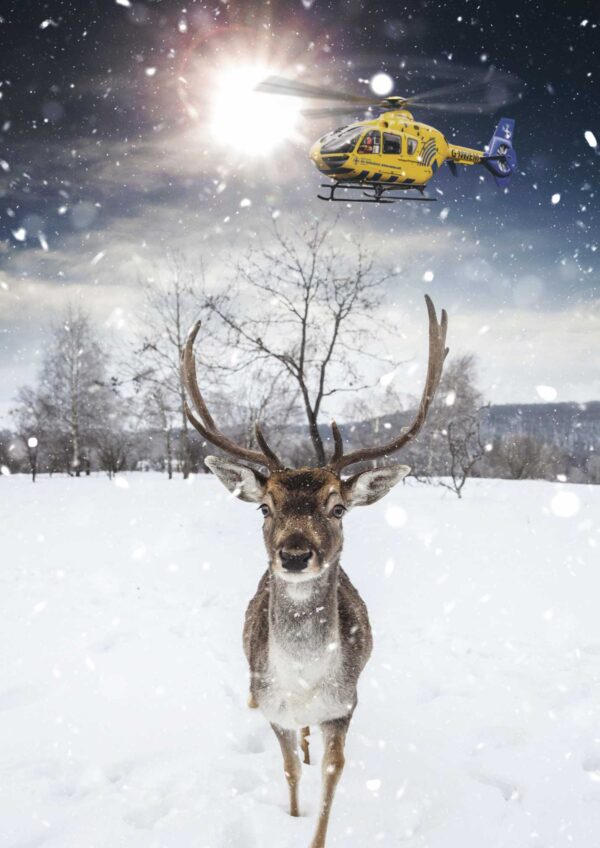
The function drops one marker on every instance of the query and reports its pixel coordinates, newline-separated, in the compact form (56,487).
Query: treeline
(301,323)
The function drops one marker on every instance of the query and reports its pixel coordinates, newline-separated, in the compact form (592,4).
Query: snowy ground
(123,691)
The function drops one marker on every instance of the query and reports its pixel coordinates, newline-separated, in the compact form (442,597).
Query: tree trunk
(317,441)
(167,431)
(185,445)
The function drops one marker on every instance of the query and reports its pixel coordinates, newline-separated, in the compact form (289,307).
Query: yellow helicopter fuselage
(392,150)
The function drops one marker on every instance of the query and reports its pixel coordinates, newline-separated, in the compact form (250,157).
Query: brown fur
(300,517)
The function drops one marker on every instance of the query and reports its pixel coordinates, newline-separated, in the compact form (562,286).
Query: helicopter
(391,153)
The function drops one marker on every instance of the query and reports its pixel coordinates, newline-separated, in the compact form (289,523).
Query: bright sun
(250,121)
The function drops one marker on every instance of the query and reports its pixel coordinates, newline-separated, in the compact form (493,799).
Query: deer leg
(288,740)
(334,737)
(304,734)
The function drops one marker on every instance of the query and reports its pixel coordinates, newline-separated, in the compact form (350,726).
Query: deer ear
(245,483)
(369,486)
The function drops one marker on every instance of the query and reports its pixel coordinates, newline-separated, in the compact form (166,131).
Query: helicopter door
(392,144)
(391,162)
(371,143)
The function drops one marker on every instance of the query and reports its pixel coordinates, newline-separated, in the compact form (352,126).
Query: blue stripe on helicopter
(429,152)
(329,172)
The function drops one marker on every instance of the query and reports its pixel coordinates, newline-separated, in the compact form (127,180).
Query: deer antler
(437,354)
(206,425)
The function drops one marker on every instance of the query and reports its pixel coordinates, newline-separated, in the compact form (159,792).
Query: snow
(546,393)
(565,504)
(124,686)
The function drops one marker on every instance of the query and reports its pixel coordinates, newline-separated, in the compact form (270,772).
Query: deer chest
(308,687)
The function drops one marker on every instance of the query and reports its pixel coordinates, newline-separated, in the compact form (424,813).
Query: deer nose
(293,559)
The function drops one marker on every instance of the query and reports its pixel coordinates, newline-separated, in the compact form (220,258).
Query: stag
(307,635)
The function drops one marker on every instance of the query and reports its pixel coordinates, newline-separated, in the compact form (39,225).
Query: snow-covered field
(123,690)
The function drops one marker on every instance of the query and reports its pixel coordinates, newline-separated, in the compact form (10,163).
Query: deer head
(303,508)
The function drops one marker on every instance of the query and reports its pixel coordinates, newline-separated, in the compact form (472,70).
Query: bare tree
(170,309)
(521,457)
(73,383)
(112,451)
(159,402)
(9,461)
(70,402)
(307,311)
(466,449)
(28,418)
(113,436)
(452,445)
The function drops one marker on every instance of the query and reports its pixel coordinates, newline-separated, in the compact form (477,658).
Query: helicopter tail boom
(500,156)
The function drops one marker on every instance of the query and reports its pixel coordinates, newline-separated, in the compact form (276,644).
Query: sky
(127,133)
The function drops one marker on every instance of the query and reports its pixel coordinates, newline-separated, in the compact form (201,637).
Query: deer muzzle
(294,559)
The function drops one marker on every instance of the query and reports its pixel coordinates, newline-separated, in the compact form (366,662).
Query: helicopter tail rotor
(501,157)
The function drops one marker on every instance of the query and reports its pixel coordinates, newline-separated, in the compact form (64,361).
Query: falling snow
(546,393)
(591,138)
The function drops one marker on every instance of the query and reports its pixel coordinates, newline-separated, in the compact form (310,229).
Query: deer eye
(265,510)
(338,511)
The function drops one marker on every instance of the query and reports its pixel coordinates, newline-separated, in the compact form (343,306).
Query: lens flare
(246,120)
(382,84)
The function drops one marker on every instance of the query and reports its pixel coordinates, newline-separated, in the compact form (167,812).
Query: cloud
(130,200)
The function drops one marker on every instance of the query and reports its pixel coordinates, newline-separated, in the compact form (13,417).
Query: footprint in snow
(499,737)
(591,764)
(145,817)
(19,696)
(111,640)
(253,742)
(243,781)
(238,833)
(508,790)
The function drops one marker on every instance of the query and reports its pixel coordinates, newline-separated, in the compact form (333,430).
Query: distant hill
(571,432)
(569,425)
(574,427)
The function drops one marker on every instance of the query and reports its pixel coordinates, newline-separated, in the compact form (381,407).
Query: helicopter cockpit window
(371,143)
(344,142)
(392,143)
(411,145)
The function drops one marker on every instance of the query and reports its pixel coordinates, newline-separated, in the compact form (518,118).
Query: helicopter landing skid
(372,193)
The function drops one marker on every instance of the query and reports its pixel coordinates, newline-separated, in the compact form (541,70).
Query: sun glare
(382,84)
(247,120)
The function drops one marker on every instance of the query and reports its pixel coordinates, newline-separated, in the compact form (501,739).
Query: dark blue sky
(103,170)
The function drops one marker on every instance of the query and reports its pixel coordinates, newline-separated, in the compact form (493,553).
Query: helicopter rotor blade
(294,88)
(481,95)
(334,111)
(442,91)
(458,108)
(476,96)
